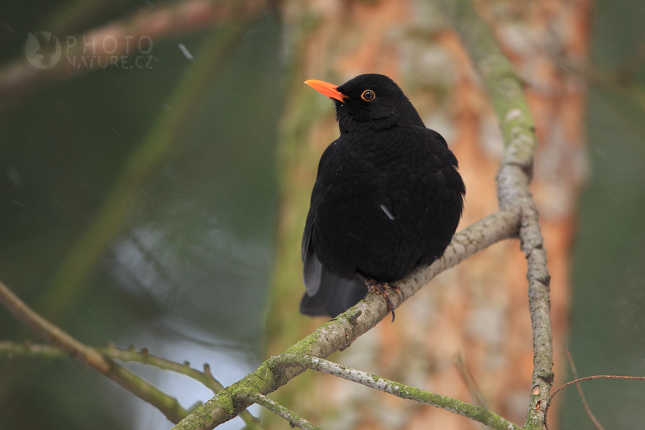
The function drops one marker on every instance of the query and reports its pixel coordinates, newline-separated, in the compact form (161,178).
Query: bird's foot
(381,288)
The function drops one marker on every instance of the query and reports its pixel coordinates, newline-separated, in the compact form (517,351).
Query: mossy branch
(341,331)
(505,91)
(517,217)
(294,419)
(504,88)
(468,410)
(168,405)
(12,350)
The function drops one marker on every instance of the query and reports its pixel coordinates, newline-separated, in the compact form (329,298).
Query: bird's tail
(334,296)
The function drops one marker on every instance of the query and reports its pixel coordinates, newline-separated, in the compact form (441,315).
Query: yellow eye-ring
(368,95)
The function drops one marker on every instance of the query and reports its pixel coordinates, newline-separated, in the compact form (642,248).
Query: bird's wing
(312,267)
(438,137)
(313,206)
(328,294)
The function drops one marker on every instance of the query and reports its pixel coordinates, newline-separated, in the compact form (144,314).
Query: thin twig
(50,333)
(574,372)
(468,410)
(27,349)
(143,356)
(465,373)
(294,419)
(586,378)
(11,350)
(168,405)
(205,377)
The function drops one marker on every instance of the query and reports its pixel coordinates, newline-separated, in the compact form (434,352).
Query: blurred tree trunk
(468,333)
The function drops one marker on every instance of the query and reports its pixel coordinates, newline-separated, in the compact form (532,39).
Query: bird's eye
(368,95)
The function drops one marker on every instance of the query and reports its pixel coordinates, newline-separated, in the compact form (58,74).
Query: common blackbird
(387,197)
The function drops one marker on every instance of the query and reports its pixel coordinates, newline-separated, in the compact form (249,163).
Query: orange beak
(327,89)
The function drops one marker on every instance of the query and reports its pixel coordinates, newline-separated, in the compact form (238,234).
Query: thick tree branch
(341,331)
(517,216)
(505,91)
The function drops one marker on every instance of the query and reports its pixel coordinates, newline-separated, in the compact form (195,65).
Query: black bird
(387,197)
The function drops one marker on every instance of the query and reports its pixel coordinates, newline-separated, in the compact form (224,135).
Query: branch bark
(468,410)
(340,332)
(505,91)
(294,419)
(515,200)
(517,218)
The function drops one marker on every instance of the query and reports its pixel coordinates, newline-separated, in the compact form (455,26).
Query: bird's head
(369,102)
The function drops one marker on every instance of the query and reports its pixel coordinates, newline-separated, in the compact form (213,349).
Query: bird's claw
(381,289)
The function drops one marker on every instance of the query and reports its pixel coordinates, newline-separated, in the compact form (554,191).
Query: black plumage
(387,197)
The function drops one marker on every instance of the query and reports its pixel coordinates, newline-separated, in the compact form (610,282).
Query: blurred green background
(185,272)
(189,251)
(608,303)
